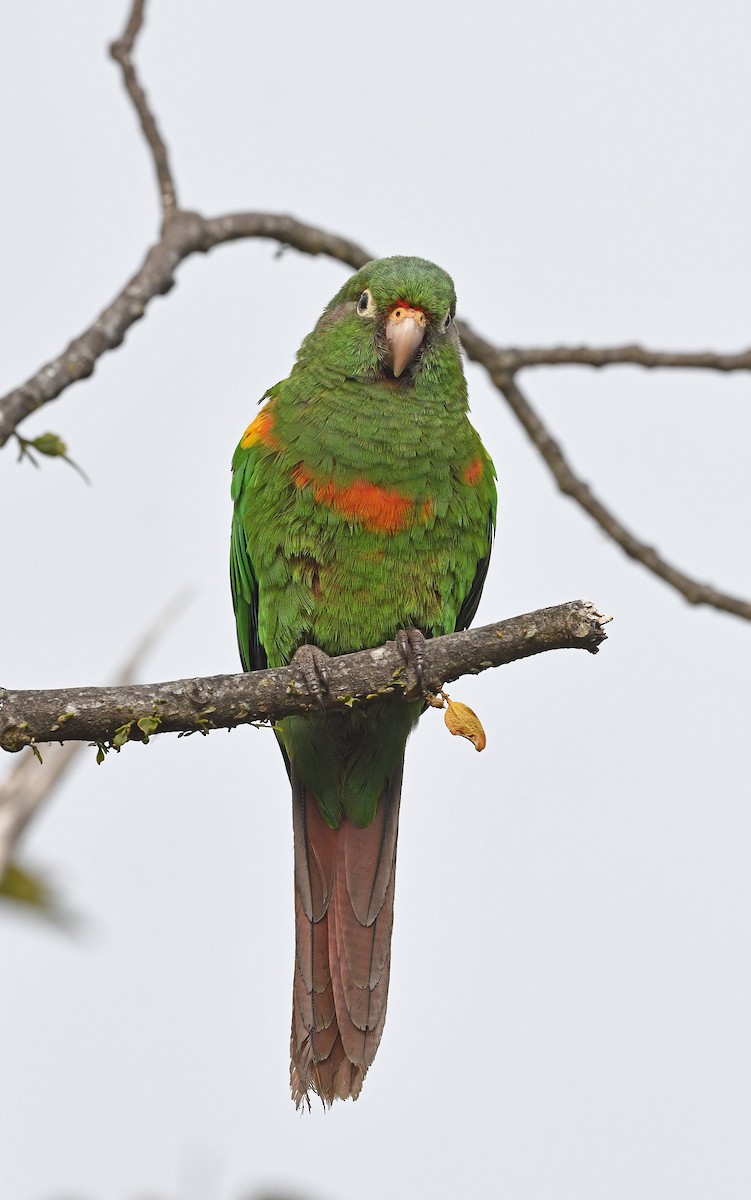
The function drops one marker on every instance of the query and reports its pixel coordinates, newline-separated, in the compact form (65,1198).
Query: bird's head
(390,321)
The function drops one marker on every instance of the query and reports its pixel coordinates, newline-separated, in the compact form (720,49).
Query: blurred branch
(185,233)
(25,789)
(110,716)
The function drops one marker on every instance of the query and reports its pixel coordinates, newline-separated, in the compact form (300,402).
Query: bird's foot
(412,646)
(313,665)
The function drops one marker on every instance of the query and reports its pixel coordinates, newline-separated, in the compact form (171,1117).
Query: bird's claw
(412,646)
(313,665)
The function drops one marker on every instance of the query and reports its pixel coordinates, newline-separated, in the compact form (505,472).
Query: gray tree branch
(571,485)
(122,52)
(108,715)
(516,358)
(184,234)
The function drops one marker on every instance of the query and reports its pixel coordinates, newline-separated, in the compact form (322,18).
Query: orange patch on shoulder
(260,430)
(472,473)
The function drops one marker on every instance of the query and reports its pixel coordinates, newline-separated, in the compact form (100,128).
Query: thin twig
(122,51)
(111,715)
(286,230)
(571,485)
(517,358)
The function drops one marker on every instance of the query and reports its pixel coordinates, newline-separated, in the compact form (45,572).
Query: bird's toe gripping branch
(413,648)
(313,665)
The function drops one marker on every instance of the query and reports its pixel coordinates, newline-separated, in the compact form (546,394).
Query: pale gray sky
(577,898)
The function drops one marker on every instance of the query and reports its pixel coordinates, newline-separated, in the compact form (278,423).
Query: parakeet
(364,508)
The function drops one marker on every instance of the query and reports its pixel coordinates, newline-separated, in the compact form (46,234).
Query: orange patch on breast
(379,509)
(300,476)
(260,430)
(375,507)
(472,473)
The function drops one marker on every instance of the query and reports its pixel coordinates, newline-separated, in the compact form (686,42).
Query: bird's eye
(366,304)
(446,321)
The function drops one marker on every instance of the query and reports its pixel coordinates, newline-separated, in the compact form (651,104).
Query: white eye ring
(446,321)
(366,306)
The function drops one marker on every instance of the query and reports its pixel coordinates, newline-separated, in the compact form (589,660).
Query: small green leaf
(36,752)
(148,725)
(50,444)
(101,751)
(122,735)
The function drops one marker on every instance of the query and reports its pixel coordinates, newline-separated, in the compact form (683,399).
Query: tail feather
(363,954)
(312,974)
(346,1079)
(360,1010)
(369,855)
(314,1019)
(344,903)
(315,846)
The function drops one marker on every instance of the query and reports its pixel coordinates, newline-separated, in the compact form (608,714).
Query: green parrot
(364,509)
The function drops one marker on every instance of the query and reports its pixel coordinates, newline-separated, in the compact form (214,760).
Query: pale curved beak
(405,329)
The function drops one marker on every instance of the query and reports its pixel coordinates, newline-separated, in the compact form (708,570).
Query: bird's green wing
(242,577)
(466,614)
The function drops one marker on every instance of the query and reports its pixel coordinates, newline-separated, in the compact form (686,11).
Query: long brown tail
(344,908)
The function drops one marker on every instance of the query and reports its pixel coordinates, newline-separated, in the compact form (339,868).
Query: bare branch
(571,485)
(512,358)
(286,230)
(185,234)
(122,51)
(97,714)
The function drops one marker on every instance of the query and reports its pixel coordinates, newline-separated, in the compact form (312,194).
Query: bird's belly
(355,590)
(335,578)
(364,596)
